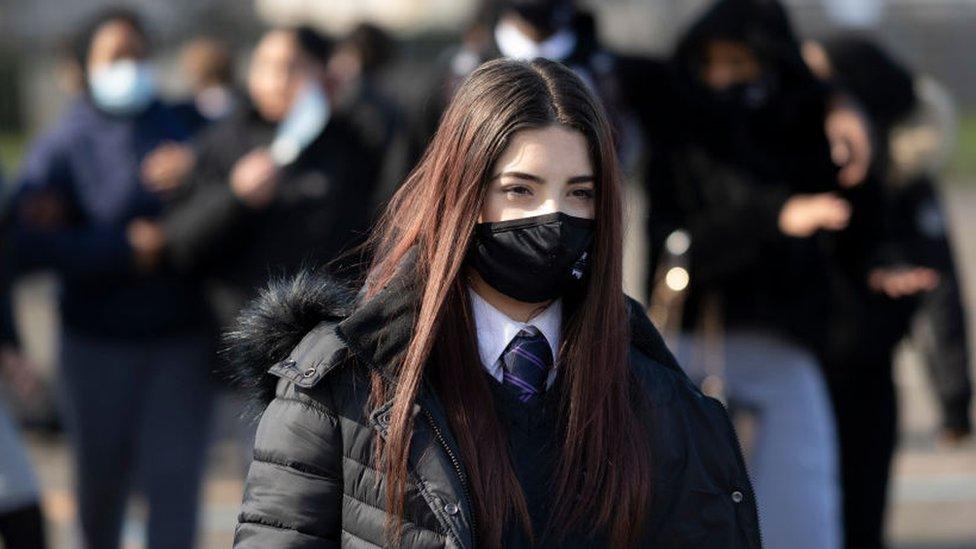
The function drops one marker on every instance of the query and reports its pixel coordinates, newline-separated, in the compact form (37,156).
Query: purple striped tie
(527,361)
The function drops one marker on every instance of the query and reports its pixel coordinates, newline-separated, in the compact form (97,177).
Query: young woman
(490,385)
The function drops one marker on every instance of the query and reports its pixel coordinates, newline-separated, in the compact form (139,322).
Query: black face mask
(532,259)
(746,97)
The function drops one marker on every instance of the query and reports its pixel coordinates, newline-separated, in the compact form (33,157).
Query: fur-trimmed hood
(272,324)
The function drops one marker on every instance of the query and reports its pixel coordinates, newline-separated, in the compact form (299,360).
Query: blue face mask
(304,122)
(123,87)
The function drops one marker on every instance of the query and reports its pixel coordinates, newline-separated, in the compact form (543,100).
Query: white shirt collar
(495,331)
(515,45)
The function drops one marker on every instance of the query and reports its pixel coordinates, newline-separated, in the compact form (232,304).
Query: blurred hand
(848,133)
(254,179)
(805,214)
(147,240)
(18,373)
(896,282)
(43,211)
(167,166)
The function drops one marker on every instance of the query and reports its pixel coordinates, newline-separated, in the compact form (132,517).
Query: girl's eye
(517,190)
(585,194)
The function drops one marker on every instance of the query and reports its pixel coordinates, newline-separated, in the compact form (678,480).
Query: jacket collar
(378,330)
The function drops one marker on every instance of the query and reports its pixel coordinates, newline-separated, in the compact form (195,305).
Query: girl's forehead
(552,149)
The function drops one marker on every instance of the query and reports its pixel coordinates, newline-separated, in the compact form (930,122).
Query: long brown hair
(602,478)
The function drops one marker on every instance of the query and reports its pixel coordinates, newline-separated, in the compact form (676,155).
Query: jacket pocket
(700,517)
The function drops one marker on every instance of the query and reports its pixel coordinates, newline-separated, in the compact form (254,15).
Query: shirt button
(309,373)
(450,508)
(737,496)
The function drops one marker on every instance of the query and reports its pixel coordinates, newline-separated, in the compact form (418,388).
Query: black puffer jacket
(313,482)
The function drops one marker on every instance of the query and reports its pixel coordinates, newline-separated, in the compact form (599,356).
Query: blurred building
(933,36)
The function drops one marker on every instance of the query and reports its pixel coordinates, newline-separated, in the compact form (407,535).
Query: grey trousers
(138,412)
(793,459)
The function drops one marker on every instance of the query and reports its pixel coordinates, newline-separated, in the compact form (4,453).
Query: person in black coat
(743,188)
(900,105)
(489,385)
(246,214)
(911,276)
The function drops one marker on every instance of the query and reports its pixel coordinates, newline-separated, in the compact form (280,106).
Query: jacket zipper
(457,467)
(440,438)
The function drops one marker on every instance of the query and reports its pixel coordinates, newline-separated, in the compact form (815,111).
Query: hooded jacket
(915,226)
(304,349)
(732,160)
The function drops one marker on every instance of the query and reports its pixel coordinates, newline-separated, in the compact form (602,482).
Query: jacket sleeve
(77,247)
(293,491)
(730,219)
(207,215)
(702,496)
(198,225)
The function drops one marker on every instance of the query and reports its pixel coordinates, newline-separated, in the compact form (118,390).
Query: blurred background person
(282,182)
(914,122)
(355,72)
(884,280)
(747,180)
(557,30)
(285,181)
(135,343)
(208,67)
(21,519)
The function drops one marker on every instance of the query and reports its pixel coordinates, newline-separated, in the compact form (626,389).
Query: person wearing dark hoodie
(490,384)
(914,283)
(135,338)
(745,189)
(284,181)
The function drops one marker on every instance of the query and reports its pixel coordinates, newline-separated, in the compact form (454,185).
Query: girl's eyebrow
(537,179)
(520,175)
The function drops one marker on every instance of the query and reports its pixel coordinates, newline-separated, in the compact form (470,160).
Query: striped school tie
(527,361)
